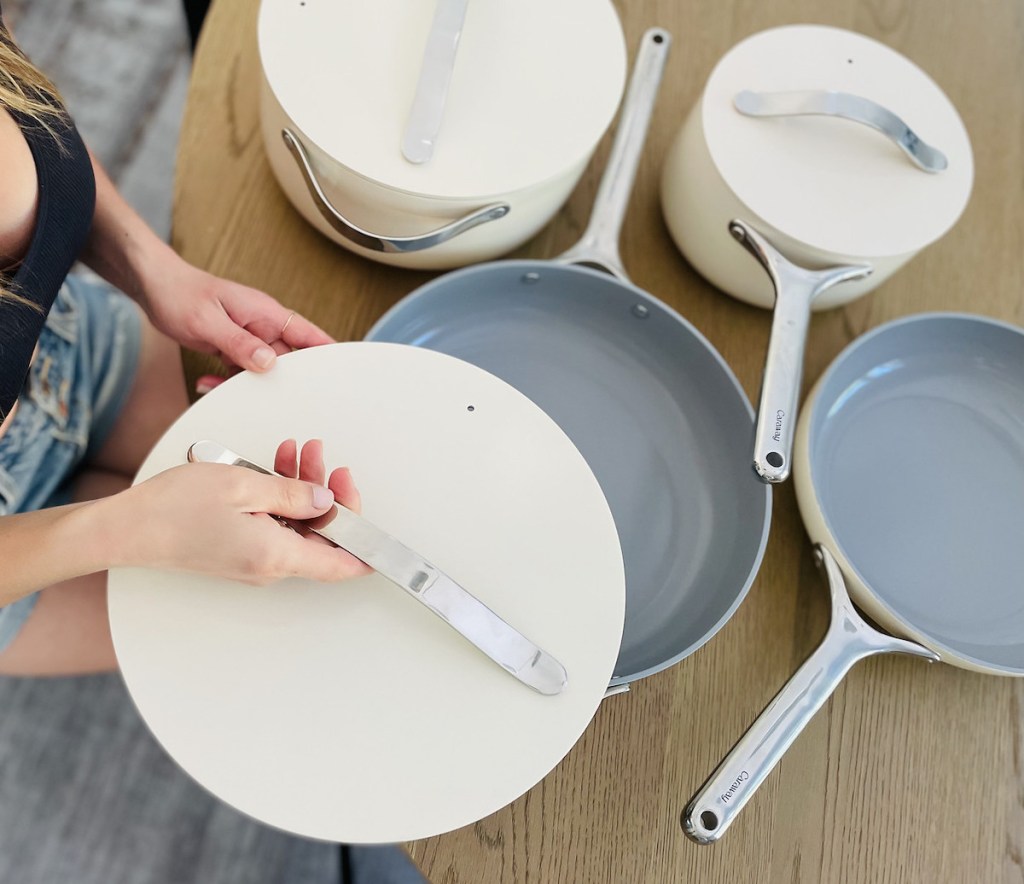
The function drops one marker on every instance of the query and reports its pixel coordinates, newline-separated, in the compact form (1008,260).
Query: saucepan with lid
(432,135)
(909,473)
(842,156)
(654,409)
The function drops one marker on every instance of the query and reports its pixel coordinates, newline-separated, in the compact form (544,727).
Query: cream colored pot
(530,90)
(834,160)
(824,189)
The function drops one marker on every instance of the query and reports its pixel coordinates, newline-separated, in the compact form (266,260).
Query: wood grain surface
(912,773)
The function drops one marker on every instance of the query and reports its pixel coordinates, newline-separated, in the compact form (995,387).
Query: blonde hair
(26,90)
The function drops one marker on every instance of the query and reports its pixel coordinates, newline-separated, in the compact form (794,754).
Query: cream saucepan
(843,155)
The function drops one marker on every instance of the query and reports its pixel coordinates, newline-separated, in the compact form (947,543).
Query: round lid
(351,712)
(831,183)
(534,86)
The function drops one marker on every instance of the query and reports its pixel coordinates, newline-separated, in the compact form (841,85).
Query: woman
(89,380)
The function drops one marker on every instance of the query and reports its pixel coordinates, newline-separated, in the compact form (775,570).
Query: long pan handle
(795,291)
(849,639)
(599,245)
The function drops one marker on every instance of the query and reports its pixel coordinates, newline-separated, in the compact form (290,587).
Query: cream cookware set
(815,164)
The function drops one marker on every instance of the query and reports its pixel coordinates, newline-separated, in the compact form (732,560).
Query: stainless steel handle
(375,241)
(795,290)
(849,107)
(425,582)
(849,639)
(599,246)
(435,76)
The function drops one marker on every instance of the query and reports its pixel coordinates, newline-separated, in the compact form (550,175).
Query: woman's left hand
(243,326)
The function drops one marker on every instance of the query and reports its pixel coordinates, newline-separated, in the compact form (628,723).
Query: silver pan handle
(795,290)
(848,640)
(599,246)
(375,241)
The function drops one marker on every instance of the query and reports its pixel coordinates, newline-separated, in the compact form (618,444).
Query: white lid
(833,184)
(535,85)
(351,712)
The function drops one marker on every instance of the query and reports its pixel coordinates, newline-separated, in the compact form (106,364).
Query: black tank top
(67,199)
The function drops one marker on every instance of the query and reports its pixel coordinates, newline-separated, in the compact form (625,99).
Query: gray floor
(86,795)
(122,67)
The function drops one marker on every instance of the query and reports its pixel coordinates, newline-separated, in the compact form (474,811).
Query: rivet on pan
(531,278)
(640,311)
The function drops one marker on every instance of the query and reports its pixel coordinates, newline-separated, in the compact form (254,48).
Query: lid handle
(850,107)
(435,76)
(375,241)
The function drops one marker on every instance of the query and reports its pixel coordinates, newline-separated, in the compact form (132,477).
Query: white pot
(533,88)
(823,190)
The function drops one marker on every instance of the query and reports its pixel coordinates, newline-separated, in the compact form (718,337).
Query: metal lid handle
(849,107)
(435,77)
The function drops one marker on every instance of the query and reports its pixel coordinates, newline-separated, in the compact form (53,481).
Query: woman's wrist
(50,546)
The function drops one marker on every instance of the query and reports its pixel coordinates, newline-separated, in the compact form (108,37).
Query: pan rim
(820,527)
(409,301)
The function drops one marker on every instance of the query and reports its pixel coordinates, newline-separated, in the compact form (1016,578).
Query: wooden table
(912,772)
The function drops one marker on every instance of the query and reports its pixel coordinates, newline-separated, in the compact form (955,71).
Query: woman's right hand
(215,519)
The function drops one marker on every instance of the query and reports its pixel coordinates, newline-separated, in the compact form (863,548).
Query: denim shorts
(77,385)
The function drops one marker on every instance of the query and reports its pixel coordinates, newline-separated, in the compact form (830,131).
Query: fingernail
(203,387)
(263,357)
(322,497)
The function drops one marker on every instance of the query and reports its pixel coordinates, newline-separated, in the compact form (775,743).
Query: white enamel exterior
(824,191)
(529,101)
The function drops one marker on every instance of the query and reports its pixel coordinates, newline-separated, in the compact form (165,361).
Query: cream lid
(534,87)
(834,184)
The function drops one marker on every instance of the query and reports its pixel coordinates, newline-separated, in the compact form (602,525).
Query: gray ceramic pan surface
(653,409)
(650,404)
(916,456)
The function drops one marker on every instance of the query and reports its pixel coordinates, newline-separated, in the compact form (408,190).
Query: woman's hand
(216,519)
(245,327)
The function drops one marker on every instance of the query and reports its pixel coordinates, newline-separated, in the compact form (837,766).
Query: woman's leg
(68,632)
(157,399)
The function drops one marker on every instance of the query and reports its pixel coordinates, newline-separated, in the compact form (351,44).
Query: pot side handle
(849,639)
(375,241)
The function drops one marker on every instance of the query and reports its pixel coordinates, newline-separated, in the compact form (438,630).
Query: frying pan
(652,407)
(909,472)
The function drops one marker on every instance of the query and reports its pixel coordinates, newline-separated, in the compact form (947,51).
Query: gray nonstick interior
(655,411)
(917,459)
